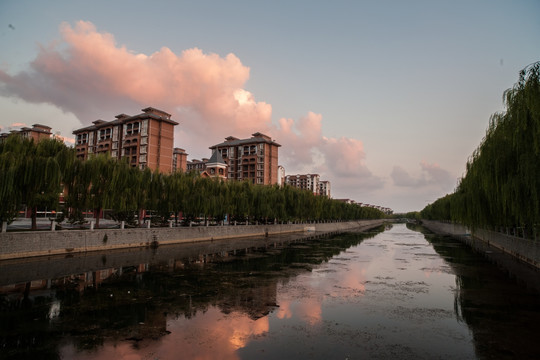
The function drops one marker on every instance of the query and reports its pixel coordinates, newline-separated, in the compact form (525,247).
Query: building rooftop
(148,112)
(257,138)
(216,158)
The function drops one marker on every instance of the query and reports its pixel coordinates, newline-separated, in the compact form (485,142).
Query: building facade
(254,159)
(36,133)
(304,182)
(324,188)
(146,140)
(179,160)
(197,165)
(281,175)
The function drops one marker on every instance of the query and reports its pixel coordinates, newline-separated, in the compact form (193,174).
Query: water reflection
(121,309)
(393,294)
(502,311)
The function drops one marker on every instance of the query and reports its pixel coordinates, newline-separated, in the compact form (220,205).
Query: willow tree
(13,150)
(126,185)
(502,184)
(40,176)
(100,170)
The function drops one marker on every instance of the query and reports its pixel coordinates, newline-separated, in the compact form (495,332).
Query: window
(105,134)
(82,139)
(132,128)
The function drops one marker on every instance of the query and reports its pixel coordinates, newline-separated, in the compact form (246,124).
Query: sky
(384,99)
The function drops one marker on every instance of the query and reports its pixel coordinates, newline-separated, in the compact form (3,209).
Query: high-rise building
(309,182)
(179,160)
(281,175)
(254,159)
(304,182)
(324,188)
(146,140)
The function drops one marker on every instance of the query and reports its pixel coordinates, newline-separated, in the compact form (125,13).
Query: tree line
(501,187)
(35,174)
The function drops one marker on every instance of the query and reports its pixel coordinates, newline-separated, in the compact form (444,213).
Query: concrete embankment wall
(40,243)
(525,250)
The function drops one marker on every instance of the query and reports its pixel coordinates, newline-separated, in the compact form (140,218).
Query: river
(396,292)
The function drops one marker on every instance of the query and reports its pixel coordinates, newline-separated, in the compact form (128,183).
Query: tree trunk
(34,218)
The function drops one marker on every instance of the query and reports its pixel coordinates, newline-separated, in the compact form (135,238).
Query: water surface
(396,293)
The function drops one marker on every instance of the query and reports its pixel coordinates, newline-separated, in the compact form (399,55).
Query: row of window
(105,134)
(243,151)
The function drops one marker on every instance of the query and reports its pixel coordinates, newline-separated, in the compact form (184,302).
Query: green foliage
(502,185)
(35,175)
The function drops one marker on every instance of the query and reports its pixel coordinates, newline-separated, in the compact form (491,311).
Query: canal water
(393,293)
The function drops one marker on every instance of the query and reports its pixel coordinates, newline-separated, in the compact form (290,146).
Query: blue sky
(385,99)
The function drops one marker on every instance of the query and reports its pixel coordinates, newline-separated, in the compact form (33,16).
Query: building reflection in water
(125,307)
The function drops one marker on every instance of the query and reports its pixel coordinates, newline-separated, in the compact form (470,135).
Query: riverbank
(15,245)
(490,242)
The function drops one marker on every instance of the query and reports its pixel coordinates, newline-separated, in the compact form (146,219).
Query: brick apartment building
(254,159)
(36,132)
(179,160)
(146,140)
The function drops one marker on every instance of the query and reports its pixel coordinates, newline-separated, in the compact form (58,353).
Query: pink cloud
(92,77)
(18,124)
(300,138)
(88,74)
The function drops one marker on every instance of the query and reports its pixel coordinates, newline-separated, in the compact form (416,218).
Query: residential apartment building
(281,175)
(254,159)
(304,182)
(179,160)
(36,132)
(146,140)
(324,188)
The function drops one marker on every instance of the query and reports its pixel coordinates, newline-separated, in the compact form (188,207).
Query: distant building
(281,175)
(214,167)
(254,159)
(36,133)
(146,140)
(179,160)
(197,165)
(324,188)
(304,182)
